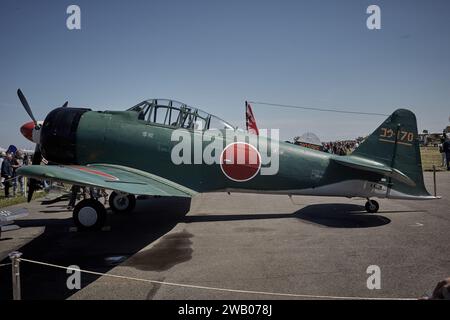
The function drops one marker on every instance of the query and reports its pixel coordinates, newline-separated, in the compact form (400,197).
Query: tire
(372,206)
(121,203)
(89,215)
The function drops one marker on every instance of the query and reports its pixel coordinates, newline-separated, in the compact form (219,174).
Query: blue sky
(216,54)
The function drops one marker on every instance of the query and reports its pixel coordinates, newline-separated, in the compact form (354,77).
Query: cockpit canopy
(176,114)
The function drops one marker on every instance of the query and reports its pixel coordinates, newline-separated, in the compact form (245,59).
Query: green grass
(6,202)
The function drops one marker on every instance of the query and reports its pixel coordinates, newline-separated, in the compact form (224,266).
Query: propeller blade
(65,104)
(37,158)
(26,105)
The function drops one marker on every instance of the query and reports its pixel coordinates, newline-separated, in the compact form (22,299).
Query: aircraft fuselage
(120,138)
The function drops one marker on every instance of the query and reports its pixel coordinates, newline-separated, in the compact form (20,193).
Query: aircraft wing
(373,166)
(111,177)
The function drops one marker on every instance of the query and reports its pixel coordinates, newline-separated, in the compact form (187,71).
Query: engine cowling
(59,135)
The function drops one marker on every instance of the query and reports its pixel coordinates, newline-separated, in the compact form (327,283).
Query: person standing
(7,173)
(73,196)
(26,160)
(441,151)
(2,156)
(446,148)
(16,164)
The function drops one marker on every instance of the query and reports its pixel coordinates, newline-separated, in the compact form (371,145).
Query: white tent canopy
(309,138)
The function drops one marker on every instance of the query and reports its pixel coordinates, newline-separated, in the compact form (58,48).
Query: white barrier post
(434,180)
(25,186)
(15,259)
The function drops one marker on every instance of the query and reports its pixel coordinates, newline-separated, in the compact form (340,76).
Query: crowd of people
(340,148)
(10,162)
(346,147)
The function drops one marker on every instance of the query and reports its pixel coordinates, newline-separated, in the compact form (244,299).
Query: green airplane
(132,153)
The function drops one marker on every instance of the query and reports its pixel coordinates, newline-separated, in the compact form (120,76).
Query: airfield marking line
(212,288)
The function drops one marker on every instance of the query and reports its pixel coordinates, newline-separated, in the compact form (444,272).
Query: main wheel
(121,202)
(372,206)
(89,215)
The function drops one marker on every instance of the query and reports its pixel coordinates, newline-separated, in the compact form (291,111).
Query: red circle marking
(240,161)
(96,172)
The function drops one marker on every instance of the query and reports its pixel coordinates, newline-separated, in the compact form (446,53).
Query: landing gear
(89,215)
(122,202)
(372,206)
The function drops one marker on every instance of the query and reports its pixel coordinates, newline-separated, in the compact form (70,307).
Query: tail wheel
(89,215)
(372,206)
(122,202)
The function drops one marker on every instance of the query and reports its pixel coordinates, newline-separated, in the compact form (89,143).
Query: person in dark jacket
(7,173)
(446,149)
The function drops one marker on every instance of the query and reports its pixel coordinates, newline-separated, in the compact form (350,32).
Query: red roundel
(240,161)
(96,172)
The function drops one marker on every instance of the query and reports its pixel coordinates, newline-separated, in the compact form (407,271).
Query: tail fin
(395,143)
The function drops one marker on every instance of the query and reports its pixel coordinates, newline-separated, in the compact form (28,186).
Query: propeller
(32,133)
(37,156)
(27,131)
(26,106)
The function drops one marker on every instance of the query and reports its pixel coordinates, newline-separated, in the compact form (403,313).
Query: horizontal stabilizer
(373,166)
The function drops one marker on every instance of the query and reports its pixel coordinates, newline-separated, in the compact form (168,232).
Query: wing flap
(112,177)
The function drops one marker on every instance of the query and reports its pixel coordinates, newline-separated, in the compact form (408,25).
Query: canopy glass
(177,114)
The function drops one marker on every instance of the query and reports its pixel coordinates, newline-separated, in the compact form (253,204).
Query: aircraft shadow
(97,251)
(332,215)
(101,251)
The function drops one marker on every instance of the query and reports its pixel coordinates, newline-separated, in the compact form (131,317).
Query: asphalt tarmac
(318,246)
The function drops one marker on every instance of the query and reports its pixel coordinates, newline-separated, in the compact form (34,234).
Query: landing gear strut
(122,202)
(372,206)
(89,215)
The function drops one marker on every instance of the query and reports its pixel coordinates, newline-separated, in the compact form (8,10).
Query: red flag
(250,120)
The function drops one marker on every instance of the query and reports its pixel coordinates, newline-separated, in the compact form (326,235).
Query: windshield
(177,114)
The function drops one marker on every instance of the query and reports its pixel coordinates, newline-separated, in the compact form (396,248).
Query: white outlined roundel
(240,161)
